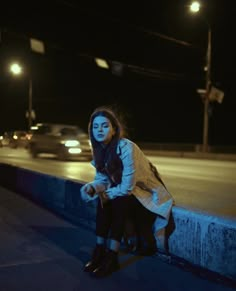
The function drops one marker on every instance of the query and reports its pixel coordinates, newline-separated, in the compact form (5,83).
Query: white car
(64,141)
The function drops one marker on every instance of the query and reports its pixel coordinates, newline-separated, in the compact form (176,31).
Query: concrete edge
(202,240)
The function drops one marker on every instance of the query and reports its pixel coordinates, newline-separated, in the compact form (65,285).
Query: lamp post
(208,87)
(30,113)
(195,7)
(17,70)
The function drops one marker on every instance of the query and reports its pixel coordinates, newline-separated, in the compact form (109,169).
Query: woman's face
(103,130)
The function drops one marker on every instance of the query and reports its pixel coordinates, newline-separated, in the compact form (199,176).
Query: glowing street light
(17,70)
(102,63)
(194,8)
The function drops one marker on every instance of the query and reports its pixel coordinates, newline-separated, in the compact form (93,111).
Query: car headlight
(72,143)
(74,150)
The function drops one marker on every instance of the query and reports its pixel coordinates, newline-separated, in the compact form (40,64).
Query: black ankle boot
(108,265)
(97,257)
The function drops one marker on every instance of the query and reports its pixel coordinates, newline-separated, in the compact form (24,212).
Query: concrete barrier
(202,240)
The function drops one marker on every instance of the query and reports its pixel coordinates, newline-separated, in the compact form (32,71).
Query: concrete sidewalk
(42,251)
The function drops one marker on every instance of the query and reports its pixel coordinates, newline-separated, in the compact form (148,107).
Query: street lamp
(194,8)
(17,70)
(102,63)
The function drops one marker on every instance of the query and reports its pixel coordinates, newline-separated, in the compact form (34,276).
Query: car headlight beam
(72,143)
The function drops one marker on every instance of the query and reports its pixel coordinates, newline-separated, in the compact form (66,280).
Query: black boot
(108,265)
(97,257)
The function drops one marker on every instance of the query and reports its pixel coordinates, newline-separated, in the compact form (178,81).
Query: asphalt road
(201,185)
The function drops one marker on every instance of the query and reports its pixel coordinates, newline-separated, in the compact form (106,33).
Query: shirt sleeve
(85,197)
(100,183)
(128,175)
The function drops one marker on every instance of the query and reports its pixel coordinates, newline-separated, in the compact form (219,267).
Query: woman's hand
(103,198)
(89,189)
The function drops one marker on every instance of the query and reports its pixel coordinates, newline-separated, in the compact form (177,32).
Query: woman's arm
(90,190)
(128,175)
(100,183)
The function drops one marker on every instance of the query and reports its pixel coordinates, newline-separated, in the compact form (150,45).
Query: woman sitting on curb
(126,184)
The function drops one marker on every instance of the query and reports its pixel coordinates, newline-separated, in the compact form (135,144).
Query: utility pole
(208,88)
(30,112)
(195,7)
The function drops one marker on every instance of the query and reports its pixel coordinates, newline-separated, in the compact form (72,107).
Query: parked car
(5,138)
(15,139)
(64,141)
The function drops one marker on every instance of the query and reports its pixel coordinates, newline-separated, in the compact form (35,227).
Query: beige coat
(138,179)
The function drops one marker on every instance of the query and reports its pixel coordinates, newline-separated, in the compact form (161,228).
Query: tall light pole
(30,110)
(208,88)
(17,70)
(195,7)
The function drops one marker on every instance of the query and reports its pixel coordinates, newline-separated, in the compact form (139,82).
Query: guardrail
(187,147)
(188,151)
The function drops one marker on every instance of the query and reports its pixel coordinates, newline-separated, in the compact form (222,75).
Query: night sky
(156,52)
